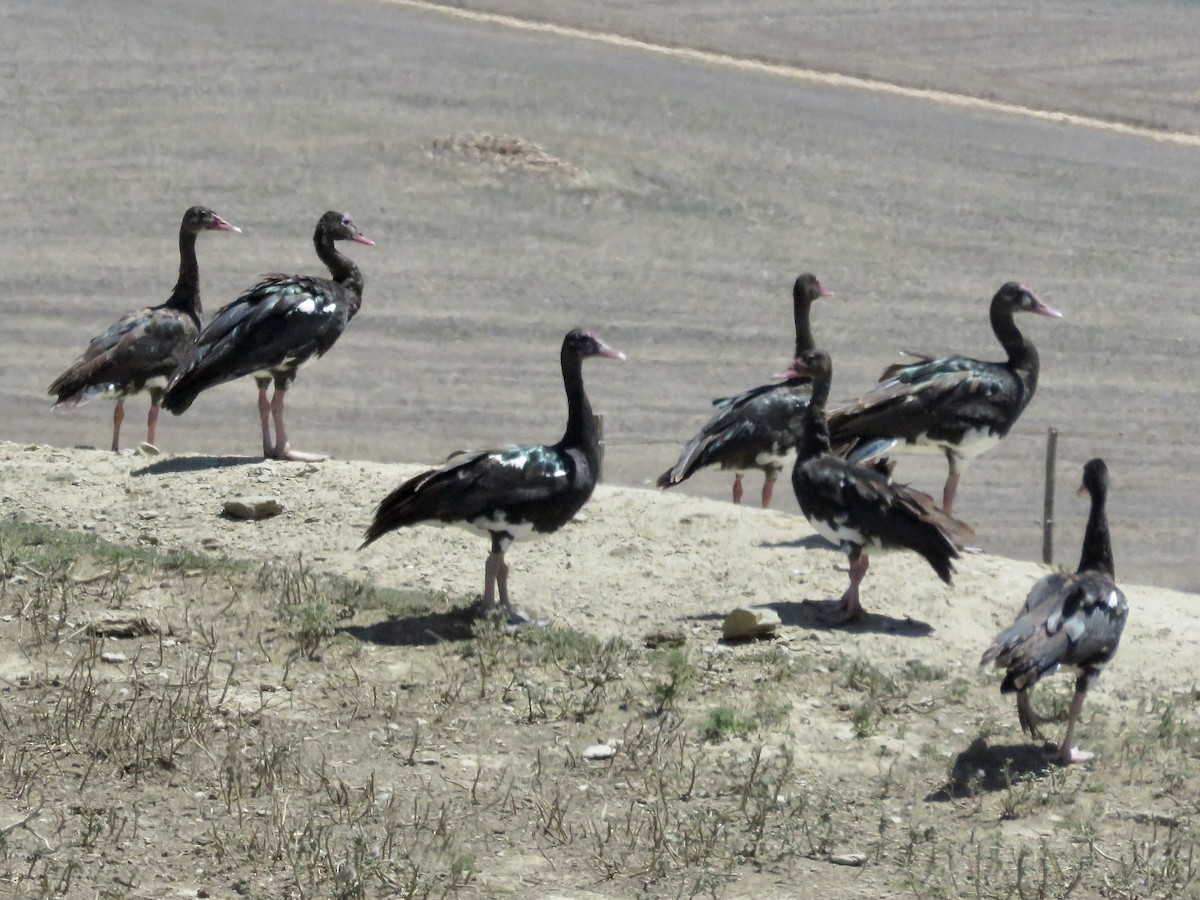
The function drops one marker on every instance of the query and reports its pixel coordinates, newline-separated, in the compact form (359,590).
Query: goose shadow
(808,542)
(984,768)
(803,614)
(176,464)
(421,630)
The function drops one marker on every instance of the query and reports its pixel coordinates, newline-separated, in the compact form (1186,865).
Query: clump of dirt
(501,152)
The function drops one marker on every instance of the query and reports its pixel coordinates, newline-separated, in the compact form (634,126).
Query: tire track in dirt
(797,73)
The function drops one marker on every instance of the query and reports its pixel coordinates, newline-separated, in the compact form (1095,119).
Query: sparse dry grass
(256,744)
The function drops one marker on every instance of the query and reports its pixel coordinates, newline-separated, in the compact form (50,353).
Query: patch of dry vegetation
(282,733)
(501,153)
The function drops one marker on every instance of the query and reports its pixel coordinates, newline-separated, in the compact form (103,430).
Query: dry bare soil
(194,706)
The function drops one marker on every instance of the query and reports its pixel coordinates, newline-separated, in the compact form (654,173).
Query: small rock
(849,859)
(253,507)
(747,622)
(599,751)
(147,449)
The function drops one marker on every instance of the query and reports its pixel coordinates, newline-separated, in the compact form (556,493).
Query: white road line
(796,73)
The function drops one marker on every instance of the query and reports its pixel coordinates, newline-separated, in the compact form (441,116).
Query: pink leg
(848,608)
(737,488)
(118,416)
(282,449)
(948,493)
(768,489)
(1068,754)
(264,413)
(951,487)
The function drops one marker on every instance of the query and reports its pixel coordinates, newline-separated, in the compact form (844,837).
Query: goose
(758,428)
(954,405)
(1071,620)
(858,507)
(272,329)
(141,350)
(510,494)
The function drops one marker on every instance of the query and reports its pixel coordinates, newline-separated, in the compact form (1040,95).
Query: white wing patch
(837,532)
(1075,627)
(307,306)
(512,460)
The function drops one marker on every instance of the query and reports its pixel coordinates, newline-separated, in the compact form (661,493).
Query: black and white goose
(272,329)
(858,508)
(1067,620)
(140,351)
(512,494)
(954,405)
(758,428)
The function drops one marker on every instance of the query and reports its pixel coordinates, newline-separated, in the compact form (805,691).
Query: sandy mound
(634,561)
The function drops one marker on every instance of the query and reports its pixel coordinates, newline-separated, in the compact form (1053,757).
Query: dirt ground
(314,721)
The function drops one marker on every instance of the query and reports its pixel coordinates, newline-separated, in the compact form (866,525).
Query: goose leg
(264,416)
(951,487)
(1027,716)
(502,583)
(768,489)
(490,577)
(737,488)
(848,608)
(118,416)
(282,449)
(152,416)
(1067,753)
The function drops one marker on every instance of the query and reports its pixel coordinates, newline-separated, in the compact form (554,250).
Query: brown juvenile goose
(140,351)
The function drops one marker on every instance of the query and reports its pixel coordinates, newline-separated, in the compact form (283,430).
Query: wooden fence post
(1048,500)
